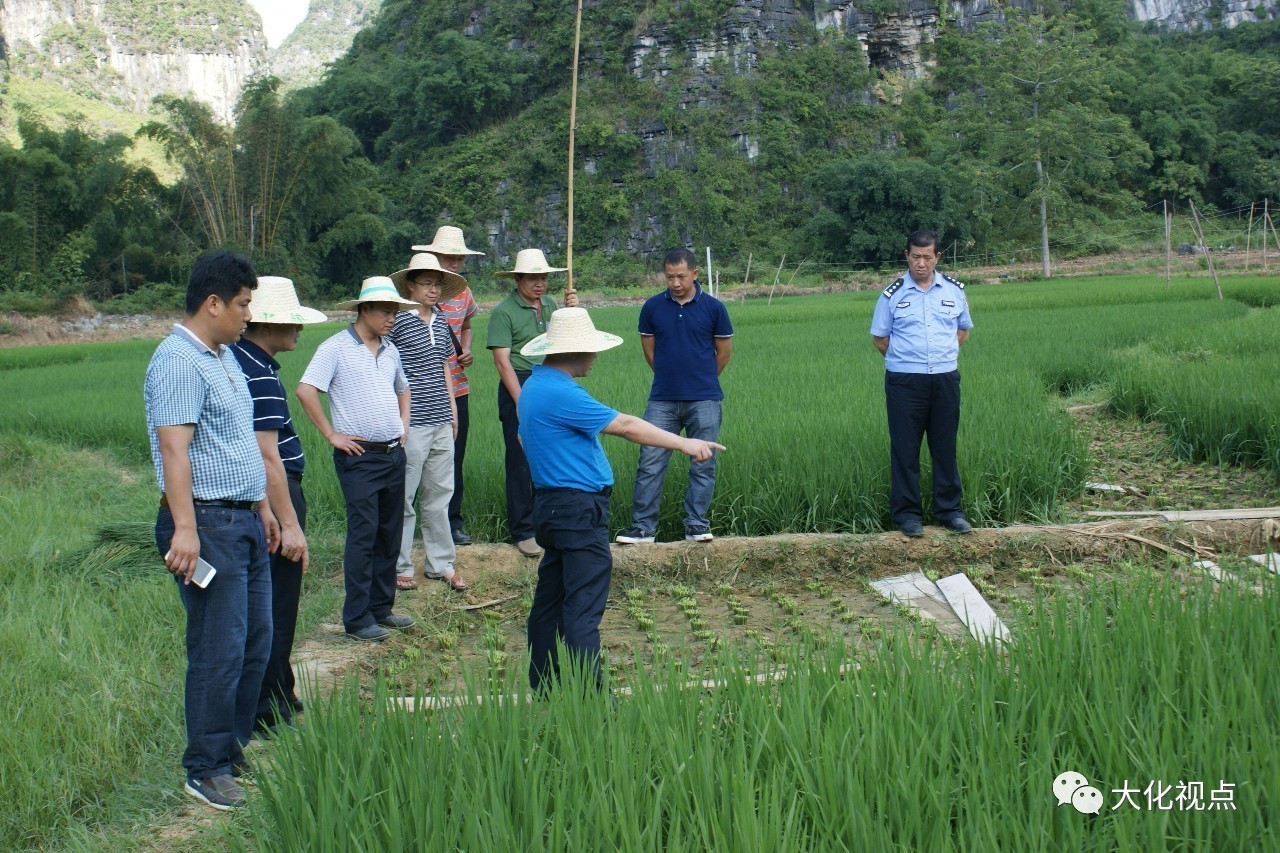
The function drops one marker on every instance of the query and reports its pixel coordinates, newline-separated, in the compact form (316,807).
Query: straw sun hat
(529,262)
(448,241)
(570,330)
(275,301)
(450,285)
(377,288)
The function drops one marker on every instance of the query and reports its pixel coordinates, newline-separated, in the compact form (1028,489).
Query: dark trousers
(519,482)
(459,453)
(573,581)
(275,700)
(228,636)
(921,404)
(373,487)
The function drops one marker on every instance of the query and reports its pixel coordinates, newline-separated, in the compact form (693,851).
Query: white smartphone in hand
(203,573)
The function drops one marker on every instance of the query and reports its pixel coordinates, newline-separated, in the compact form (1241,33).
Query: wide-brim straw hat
(570,330)
(378,288)
(276,301)
(450,285)
(529,262)
(448,241)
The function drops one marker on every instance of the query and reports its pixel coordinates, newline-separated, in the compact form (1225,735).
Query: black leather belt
(605,492)
(379,446)
(251,506)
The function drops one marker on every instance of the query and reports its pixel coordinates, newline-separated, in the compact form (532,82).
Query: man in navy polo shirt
(687,340)
(213,485)
(560,425)
(278,318)
(919,323)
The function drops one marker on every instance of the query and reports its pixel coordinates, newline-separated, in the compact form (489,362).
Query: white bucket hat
(448,241)
(275,301)
(570,330)
(529,262)
(451,284)
(378,288)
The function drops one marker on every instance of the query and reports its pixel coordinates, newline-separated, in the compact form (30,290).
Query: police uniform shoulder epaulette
(959,284)
(893,288)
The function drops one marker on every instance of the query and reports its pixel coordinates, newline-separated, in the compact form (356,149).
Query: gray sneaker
(370,634)
(218,792)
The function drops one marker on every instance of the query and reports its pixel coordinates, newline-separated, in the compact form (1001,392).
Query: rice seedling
(1122,684)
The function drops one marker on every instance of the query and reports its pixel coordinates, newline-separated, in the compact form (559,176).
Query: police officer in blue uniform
(919,323)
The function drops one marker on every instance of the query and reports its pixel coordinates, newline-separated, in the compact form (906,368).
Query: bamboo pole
(711,281)
(747,278)
(573,127)
(1274,238)
(1266,217)
(1167,248)
(1195,217)
(776,276)
(1248,240)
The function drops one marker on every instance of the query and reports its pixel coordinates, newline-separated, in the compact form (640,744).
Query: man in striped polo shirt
(200,425)
(450,248)
(277,321)
(359,369)
(426,346)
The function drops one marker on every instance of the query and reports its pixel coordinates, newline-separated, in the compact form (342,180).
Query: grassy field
(926,745)
(804,412)
(89,640)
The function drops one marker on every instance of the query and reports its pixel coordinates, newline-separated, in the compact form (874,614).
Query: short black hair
(219,273)
(924,237)
(676,257)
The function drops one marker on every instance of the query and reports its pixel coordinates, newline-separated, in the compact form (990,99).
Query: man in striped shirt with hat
(277,322)
(450,248)
(426,347)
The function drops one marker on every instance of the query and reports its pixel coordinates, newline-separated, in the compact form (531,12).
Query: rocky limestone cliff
(127,52)
(321,37)
(892,33)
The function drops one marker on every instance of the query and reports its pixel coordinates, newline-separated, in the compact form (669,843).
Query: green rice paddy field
(931,744)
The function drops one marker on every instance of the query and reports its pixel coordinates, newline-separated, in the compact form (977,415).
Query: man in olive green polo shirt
(518,319)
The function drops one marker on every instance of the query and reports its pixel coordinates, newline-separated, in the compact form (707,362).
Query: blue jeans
(697,419)
(228,636)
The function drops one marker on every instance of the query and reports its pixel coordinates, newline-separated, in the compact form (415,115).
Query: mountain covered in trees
(822,129)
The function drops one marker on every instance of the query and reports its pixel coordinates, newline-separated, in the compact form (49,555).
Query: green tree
(1034,108)
(870,205)
(292,190)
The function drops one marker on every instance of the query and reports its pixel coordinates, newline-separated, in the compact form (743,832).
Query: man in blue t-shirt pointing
(687,339)
(560,424)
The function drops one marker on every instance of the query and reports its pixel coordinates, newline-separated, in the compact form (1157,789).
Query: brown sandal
(456,582)
(406,583)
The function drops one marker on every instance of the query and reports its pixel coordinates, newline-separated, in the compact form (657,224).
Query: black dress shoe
(391,620)
(911,529)
(460,538)
(958,525)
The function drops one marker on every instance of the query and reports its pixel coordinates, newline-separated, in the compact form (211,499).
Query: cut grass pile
(927,745)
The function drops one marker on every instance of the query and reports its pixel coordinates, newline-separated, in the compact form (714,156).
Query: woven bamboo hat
(570,330)
(275,301)
(450,285)
(378,288)
(448,241)
(529,262)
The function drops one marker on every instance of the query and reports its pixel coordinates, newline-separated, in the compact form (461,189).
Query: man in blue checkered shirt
(213,484)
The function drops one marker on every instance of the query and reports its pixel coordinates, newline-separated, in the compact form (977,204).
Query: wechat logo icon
(1073,788)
